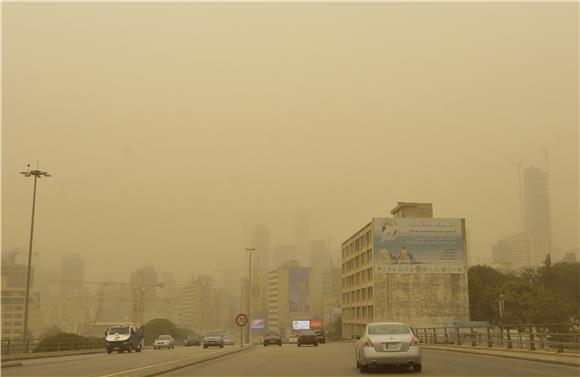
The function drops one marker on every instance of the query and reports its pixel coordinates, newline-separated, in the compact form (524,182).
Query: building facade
(520,251)
(410,268)
(289,296)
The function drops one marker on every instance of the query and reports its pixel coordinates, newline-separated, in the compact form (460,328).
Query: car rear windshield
(271,334)
(164,337)
(307,332)
(213,333)
(388,329)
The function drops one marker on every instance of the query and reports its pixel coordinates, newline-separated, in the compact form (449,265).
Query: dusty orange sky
(168,127)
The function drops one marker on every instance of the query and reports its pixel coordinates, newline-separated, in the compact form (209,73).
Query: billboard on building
(298,286)
(418,245)
(315,323)
(299,324)
(258,323)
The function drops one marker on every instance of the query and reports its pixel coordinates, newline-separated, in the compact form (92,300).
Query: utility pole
(37,174)
(500,302)
(249,250)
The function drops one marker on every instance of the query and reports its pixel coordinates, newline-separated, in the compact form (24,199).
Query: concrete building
(289,296)
(410,268)
(147,278)
(198,304)
(320,262)
(283,254)
(260,240)
(13,297)
(72,275)
(521,251)
(536,203)
(303,238)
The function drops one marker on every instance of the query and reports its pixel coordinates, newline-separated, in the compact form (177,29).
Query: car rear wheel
(416,368)
(364,369)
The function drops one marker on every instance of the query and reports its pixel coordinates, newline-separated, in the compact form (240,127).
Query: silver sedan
(388,344)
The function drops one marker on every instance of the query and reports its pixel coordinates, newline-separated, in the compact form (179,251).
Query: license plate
(392,346)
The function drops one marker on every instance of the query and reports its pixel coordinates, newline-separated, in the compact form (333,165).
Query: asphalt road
(103,364)
(337,359)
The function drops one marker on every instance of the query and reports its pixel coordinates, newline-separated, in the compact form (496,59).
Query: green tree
(161,326)
(66,342)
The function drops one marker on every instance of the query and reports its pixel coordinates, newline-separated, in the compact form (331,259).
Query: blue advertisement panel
(417,245)
(299,298)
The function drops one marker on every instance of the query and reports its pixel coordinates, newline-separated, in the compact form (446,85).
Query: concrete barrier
(570,359)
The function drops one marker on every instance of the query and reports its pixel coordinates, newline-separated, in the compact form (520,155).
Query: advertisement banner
(298,285)
(417,245)
(315,323)
(300,325)
(258,323)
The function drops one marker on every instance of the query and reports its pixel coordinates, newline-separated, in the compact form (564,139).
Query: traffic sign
(241,319)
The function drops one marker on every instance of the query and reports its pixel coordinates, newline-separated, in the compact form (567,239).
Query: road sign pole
(241,337)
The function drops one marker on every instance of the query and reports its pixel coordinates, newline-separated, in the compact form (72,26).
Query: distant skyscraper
(72,274)
(283,254)
(260,240)
(536,203)
(303,238)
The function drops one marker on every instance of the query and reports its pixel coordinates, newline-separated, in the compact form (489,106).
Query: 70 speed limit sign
(241,320)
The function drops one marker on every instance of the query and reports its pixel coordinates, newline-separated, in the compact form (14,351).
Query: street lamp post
(37,174)
(500,302)
(249,250)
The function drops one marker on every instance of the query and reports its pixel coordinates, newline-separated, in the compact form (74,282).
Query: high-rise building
(72,274)
(283,254)
(198,312)
(520,251)
(303,238)
(146,278)
(289,296)
(13,294)
(536,203)
(408,269)
(260,240)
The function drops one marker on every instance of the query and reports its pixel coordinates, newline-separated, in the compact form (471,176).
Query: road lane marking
(157,365)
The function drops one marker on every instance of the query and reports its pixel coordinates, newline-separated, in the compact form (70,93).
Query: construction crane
(137,314)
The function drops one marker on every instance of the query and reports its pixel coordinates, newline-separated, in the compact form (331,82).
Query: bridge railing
(18,346)
(547,337)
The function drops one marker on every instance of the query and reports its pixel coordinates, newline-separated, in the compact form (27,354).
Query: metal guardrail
(18,346)
(553,337)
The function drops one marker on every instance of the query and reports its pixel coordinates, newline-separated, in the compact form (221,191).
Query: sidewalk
(15,360)
(570,359)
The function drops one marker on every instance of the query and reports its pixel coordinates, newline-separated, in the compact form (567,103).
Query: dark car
(272,338)
(320,335)
(307,337)
(192,341)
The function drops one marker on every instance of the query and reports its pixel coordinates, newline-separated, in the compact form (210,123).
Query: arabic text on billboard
(416,245)
(299,299)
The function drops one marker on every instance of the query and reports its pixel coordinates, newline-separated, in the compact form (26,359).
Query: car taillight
(414,341)
(367,343)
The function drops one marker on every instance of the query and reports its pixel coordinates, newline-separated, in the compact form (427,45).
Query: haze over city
(170,129)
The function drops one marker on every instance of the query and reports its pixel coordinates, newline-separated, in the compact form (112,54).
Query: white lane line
(157,365)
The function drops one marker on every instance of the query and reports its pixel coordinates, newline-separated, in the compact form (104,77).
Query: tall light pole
(501,307)
(37,174)
(249,250)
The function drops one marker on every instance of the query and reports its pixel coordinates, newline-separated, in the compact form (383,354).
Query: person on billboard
(405,256)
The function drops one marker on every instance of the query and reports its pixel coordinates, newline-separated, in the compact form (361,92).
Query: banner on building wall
(315,323)
(258,323)
(298,285)
(417,245)
(299,324)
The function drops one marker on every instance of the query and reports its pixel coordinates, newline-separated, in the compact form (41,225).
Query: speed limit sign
(241,320)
